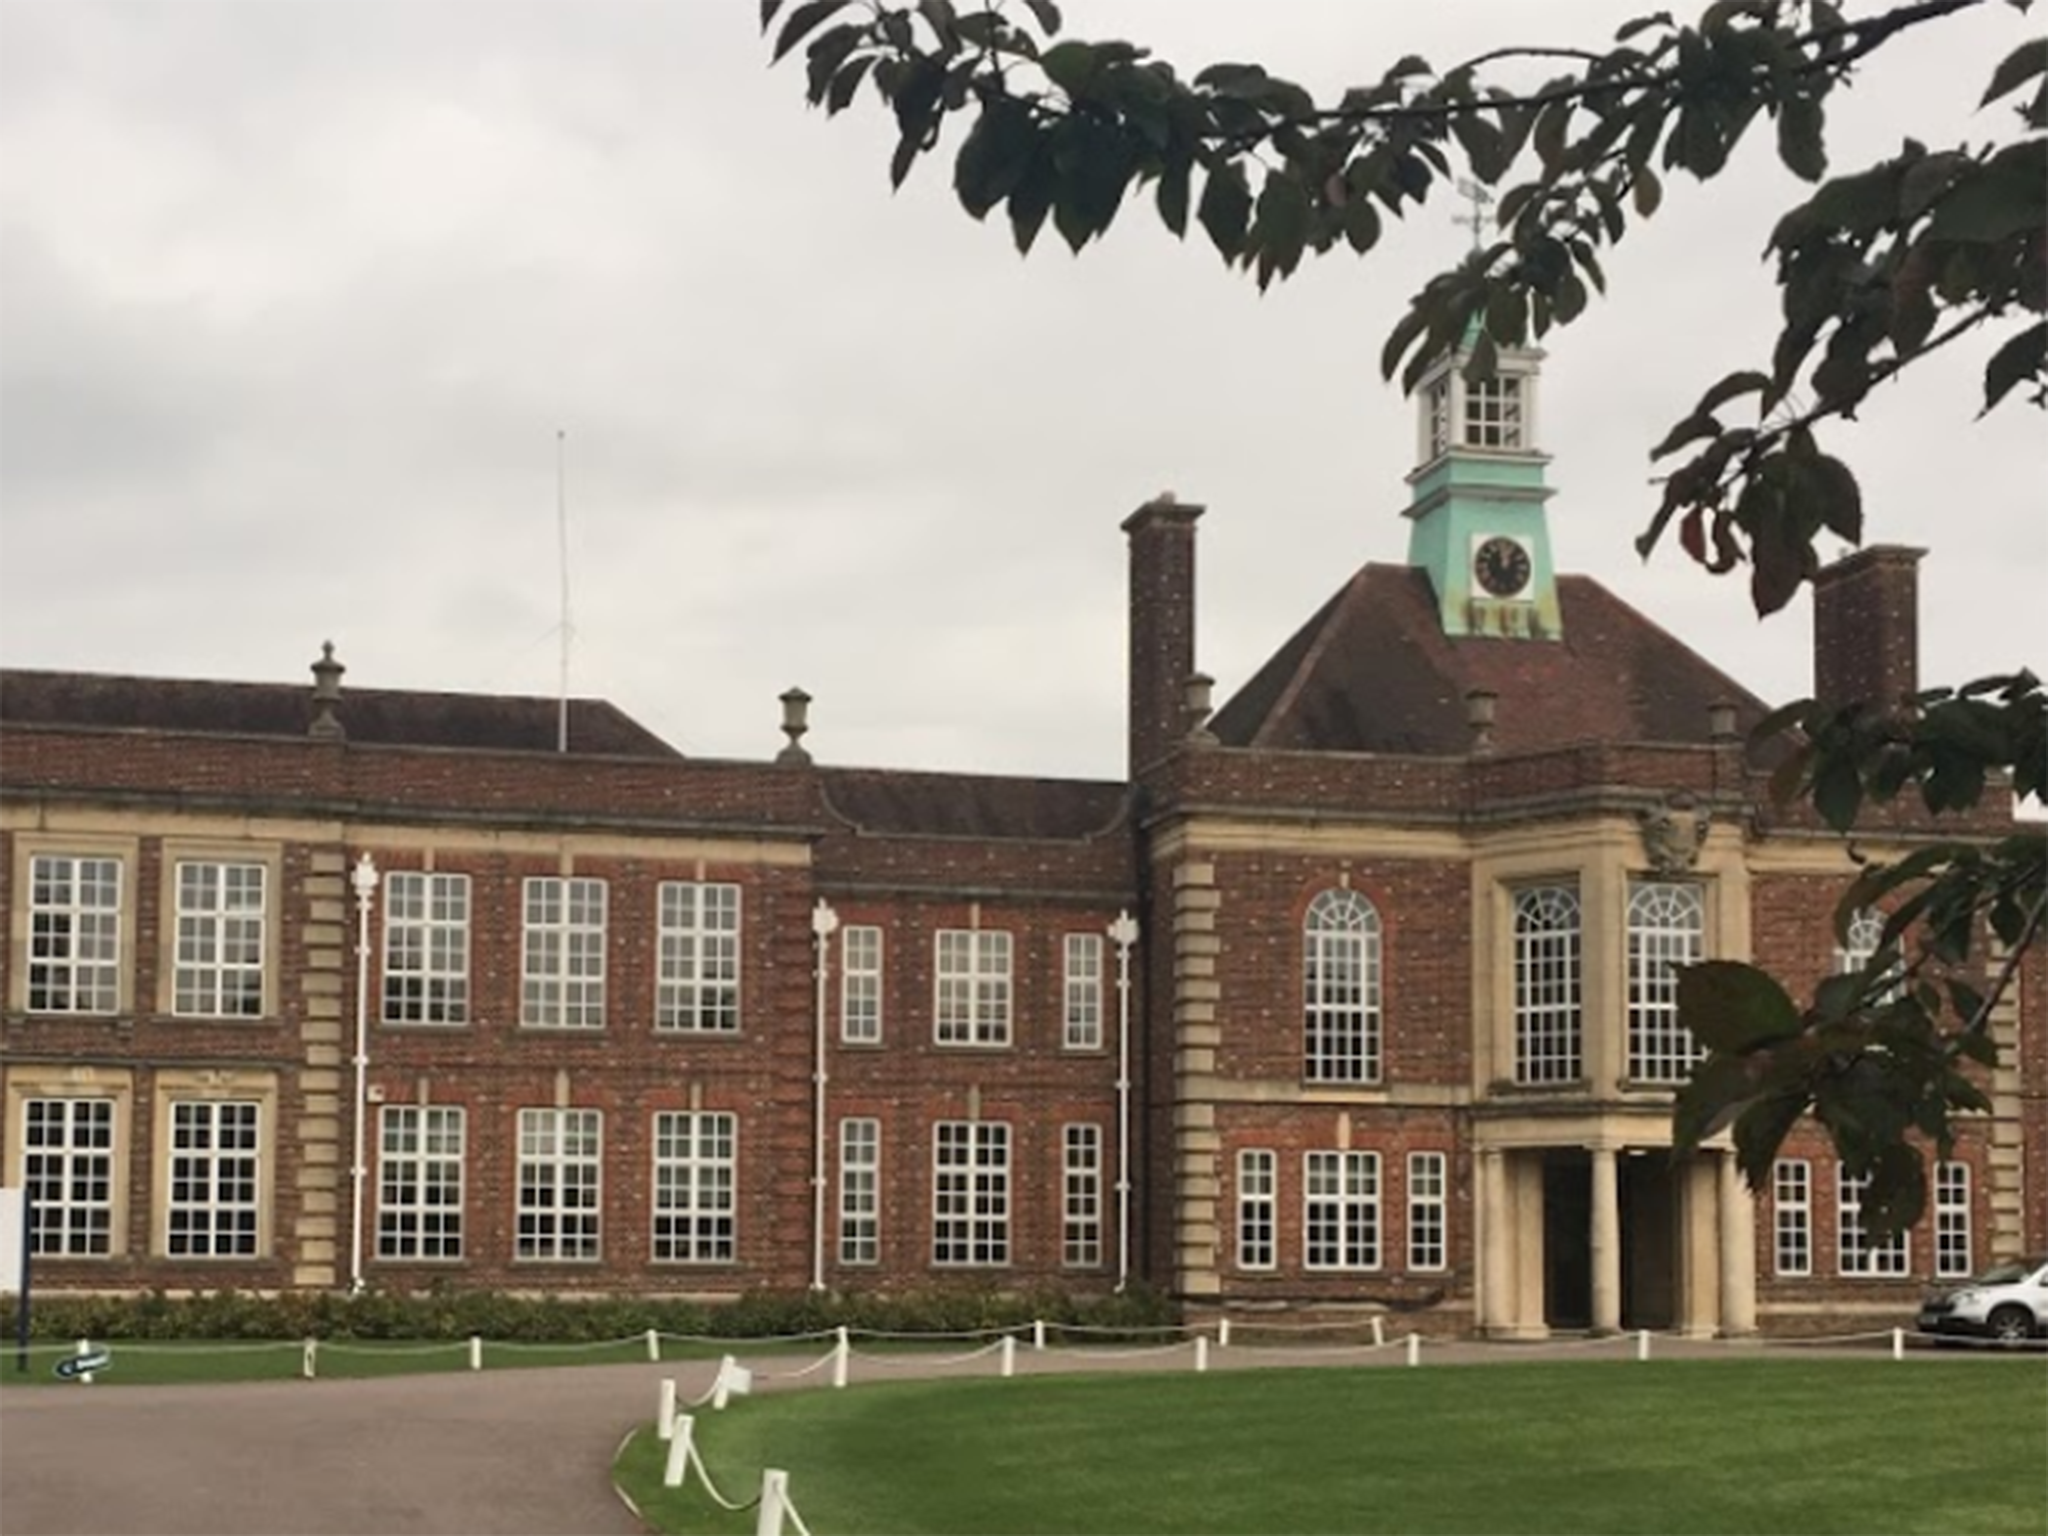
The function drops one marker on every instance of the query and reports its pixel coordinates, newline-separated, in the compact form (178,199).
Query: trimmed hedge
(447,1313)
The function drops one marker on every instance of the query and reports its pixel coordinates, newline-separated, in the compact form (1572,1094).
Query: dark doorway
(1568,1238)
(1649,1240)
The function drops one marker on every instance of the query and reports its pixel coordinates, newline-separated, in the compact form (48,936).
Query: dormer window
(1493,412)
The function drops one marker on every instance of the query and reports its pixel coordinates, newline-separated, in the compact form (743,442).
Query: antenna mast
(562,538)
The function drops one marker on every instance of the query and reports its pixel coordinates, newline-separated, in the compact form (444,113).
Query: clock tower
(1476,516)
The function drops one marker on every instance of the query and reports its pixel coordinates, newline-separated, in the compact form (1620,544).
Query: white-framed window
(563,959)
(971,1192)
(1340,1210)
(420,1152)
(1083,992)
(1865,936)
(1792,1215)
(1667,926)
(1856,1252)
(696,1187)
(426,948)
(1549,1038)
(67,1168)
(698,986)
(1081,1204)
(860,1190)
(1257,1179)
(1340,946)
(1427,1205)
(561,1177)
(1952,1258)
(1493,412)
(215,1184)
(74,934)
(860,985)
(972,1006)
(218,972)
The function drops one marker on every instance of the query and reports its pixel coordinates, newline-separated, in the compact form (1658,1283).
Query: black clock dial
(1502,567)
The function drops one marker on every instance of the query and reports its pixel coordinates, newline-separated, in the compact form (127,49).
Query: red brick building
(1355,994)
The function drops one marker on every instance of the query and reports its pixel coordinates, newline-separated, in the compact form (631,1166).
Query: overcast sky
(295,296)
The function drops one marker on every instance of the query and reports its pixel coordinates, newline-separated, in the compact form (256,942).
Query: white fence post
(654,1343)
(665,1410)
(309,1361)
(1009,1355)
(678,1452)
(774,1495)
(1379,1331)
(1898,1343)
(1223,1333)
(1415,1349)
(1642,1343)
(1201,1352)
(842,1353)
(476,1351)
(85,1348)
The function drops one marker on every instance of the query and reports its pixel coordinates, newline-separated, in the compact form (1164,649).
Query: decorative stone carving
(1673,832)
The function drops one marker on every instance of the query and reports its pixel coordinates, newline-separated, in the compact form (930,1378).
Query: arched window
(1667,927)
(1547,1020)
(1341,989)
(1864,934)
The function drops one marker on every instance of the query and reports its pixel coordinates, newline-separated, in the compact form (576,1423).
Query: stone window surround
(241,1085)
(77,1081)
(213,850)
(29,846)
(1602,859)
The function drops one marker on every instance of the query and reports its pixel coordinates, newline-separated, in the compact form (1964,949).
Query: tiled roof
(376,716)
(1374,672)
(888,800)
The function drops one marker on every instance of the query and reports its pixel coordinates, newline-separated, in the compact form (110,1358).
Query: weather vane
(1476,219)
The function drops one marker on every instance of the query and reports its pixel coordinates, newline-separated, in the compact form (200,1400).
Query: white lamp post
(363,879)
(1123,933)
(824,923)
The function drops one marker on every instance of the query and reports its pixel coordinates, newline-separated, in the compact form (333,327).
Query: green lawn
(1720,1446)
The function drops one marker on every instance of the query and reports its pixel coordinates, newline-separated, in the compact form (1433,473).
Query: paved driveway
(501,1451)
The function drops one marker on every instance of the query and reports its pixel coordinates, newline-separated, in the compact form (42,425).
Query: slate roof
(375,716)
(1373,671)
(902,801)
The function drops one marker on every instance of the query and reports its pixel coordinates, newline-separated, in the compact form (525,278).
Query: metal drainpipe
(1123,933)
(364,879)
(824,923)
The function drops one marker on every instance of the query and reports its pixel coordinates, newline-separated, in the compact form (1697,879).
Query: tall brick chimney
(1866,627)
(1162,625)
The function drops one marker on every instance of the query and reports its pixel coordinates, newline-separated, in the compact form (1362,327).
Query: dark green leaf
(1801,141)
(1226,208)
(1069,65)
(1361,224)
(1046,14)
(2023,357)
(1642,24)
(1744,381)
(1734,1007)
(1172,195)
(994,156)
(1646,190)
(1032,201)
(804,20)
(2018,67)
(1281,228)
(1691,429)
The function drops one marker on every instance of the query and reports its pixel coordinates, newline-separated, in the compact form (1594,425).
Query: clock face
(1501,566)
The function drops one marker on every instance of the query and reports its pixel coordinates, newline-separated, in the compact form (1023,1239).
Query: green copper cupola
(1476,519)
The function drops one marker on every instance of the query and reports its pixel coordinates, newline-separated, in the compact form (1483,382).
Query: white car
(2008,1302)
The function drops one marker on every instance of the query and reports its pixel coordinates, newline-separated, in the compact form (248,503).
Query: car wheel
(2012,1325)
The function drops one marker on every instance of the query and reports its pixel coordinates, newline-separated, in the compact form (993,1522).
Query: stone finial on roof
(1721,721)
(1480,704)
(1200,686)
(327,672)
(796,720)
